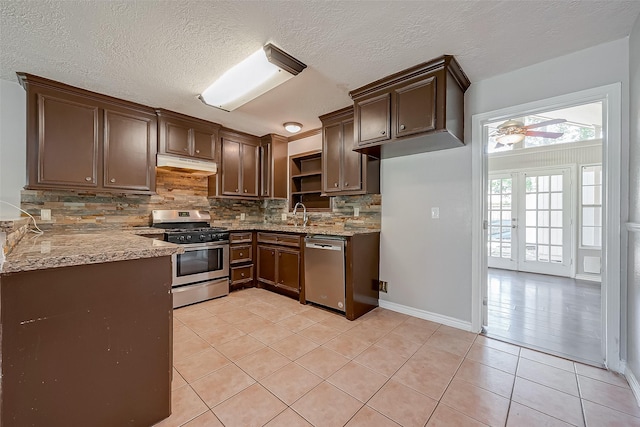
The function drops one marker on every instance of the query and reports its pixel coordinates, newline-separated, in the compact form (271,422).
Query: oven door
(200,262)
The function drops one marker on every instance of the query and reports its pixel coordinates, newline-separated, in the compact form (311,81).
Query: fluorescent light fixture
(259,73)
(292,127)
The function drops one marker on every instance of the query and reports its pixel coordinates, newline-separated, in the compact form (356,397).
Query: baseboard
(633,383)
(589,277)
(427,315)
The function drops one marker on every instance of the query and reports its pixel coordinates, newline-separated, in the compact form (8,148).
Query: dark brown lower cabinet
(241,257)
(279,266)
(87,345)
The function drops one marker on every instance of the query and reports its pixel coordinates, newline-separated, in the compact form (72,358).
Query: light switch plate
(243,216)
(45,214)
(435,213)
(356,212)
(284,217)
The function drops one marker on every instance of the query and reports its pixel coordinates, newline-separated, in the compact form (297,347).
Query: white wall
(428,262)
(13,134)
(310,143)
(633,286)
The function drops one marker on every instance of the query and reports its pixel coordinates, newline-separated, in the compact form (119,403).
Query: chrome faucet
(305,218)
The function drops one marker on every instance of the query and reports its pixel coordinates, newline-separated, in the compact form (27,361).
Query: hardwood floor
(553,314)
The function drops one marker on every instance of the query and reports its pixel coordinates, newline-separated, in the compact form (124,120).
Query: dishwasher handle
(323,246)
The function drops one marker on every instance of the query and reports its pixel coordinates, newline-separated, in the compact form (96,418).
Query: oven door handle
(200,246)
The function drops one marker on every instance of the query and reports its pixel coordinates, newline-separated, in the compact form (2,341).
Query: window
(591,209)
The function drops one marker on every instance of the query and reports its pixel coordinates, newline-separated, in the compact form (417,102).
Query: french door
(529,221)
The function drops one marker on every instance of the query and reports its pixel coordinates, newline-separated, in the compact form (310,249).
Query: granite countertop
(66,248)
(313,229)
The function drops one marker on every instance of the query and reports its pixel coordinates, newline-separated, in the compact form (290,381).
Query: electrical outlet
(356,212)
(243,216)
(383,286)
(435,213)
(284,217)
(45,214)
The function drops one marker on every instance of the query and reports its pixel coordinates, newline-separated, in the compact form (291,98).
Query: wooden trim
(306,134)
(161,113)
(443,62)
(241,136)
(26,79)
(337,115)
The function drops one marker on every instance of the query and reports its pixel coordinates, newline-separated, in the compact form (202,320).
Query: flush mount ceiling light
(292,127)
(259,73)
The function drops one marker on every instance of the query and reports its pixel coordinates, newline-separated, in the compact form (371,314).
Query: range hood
(196,167)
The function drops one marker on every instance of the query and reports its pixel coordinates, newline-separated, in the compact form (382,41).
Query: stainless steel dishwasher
(324,274)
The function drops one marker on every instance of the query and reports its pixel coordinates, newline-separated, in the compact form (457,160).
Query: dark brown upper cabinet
(344,171)
(273,166)
(82,140)
(413,111)
(186,136)
(240,165)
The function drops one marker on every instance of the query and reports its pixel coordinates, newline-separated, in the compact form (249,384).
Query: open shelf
(306,181)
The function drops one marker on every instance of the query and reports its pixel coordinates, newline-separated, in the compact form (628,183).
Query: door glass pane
(530,202)
(543,184)
(506,218)
(531,184)
(494,186)
(494,249)
(495,202)
(506,202)
(588,236)
(531,235)
(543,253)
(556,182)
(495,234)
(588,195)
(543,236)
(506,186)
(556,236)
(556,200)
(543,201)
(556,218)
(530,252)
(543,218)
(506,250)
(556,254)
(530,218)
(506,234)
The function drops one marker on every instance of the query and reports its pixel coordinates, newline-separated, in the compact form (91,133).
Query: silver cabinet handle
(185,149)
(401,127)
(241,254)
(112,180)
(335,184)
(346,184)
(245,190)
(242,274)
(88,178)
(383,132)
(197,151)
(236,190)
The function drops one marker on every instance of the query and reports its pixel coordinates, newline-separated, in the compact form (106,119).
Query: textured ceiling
(164,53)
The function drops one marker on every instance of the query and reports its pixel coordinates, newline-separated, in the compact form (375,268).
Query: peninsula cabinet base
(87,345)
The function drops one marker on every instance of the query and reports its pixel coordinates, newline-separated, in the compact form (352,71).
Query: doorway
(520,242)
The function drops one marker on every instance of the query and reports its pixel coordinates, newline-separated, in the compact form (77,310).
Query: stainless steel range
(202,271)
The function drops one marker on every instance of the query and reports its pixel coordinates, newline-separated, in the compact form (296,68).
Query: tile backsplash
(175,190)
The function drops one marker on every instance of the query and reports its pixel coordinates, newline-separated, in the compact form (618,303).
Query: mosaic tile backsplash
(175,190)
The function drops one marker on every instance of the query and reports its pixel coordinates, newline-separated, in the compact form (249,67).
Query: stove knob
(203,237)
(181,238)
(188,237)
(212,237)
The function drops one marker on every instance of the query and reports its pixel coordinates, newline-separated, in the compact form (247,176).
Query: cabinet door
(332,146)
(373,118)
(415,107)
(67,136)
(129,150)
(250,170)
(177,137)
(230,167)
(266,159)
(351,160)
(289,269)
(267,264)
(204,143)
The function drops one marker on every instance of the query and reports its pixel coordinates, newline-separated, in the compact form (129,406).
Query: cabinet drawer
(240,253)
(241,237)
(241,274)
(279,239)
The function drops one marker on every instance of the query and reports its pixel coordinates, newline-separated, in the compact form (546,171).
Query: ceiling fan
(514,131)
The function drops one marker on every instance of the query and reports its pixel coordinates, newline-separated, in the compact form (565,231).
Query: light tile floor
(256,358)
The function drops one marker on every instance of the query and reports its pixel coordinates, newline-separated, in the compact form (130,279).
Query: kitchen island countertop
(63,248)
